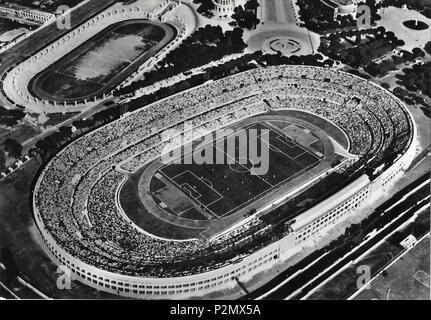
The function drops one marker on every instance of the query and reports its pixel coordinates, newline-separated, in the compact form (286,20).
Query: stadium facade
(70,239)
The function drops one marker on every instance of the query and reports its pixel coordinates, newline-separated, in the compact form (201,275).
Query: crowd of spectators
(77,191)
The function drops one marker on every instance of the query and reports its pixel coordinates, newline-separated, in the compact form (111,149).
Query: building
(304,230)
(225,8)
(341,7)
(16,12)
(409,242)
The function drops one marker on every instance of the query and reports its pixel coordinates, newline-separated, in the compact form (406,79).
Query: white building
(409,242)
(225,7)
(342,7)
(27,14)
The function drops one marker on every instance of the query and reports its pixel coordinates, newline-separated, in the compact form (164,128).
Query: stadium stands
(76,195)
(15,84)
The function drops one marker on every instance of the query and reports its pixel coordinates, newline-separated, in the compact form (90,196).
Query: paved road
(280,11)
(279,22)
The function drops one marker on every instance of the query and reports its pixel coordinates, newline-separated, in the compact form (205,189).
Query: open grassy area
(180,199)
(21,133)
(344,284)
(44,36)
(102,62)
(211,186)
(404,279)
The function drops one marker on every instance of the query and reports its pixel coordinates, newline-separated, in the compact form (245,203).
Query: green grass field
(400,281)
(199,200)
(102,62)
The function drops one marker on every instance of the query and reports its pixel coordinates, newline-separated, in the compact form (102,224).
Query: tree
(10,118)
(417,52)
(13,148)
(2,160)
(234,39)
(206,7)
(65,131)
(245,18)
(373,10)
(251,5)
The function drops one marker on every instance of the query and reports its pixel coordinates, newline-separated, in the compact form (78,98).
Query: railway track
(395,212)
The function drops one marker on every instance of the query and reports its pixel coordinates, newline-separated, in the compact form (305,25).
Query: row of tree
(2,160)
(10,117)
(205,45)
(422,6)
(205,8)
(51,144)
(380,69)
(360,54)
(417,78)
(11,148)
(238,65)
(321,18)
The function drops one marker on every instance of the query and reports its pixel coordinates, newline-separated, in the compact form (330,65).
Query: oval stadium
(129,213)
(72,77)
(81,68)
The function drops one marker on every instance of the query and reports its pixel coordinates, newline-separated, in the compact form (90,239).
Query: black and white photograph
(215,156)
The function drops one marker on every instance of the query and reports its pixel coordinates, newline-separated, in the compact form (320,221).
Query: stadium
(127,223)
(72,78)
(81,68)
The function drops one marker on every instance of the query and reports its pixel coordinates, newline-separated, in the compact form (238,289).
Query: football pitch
(178,199)
(216,190)
(103,61)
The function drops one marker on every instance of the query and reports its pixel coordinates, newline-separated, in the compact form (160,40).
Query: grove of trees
(359,53)
(205,45)
(422,6)
(10,118)
(13,148)
(246,17)
(206,7)
(391,64)
(2,160)
(50,145)
(417,78)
